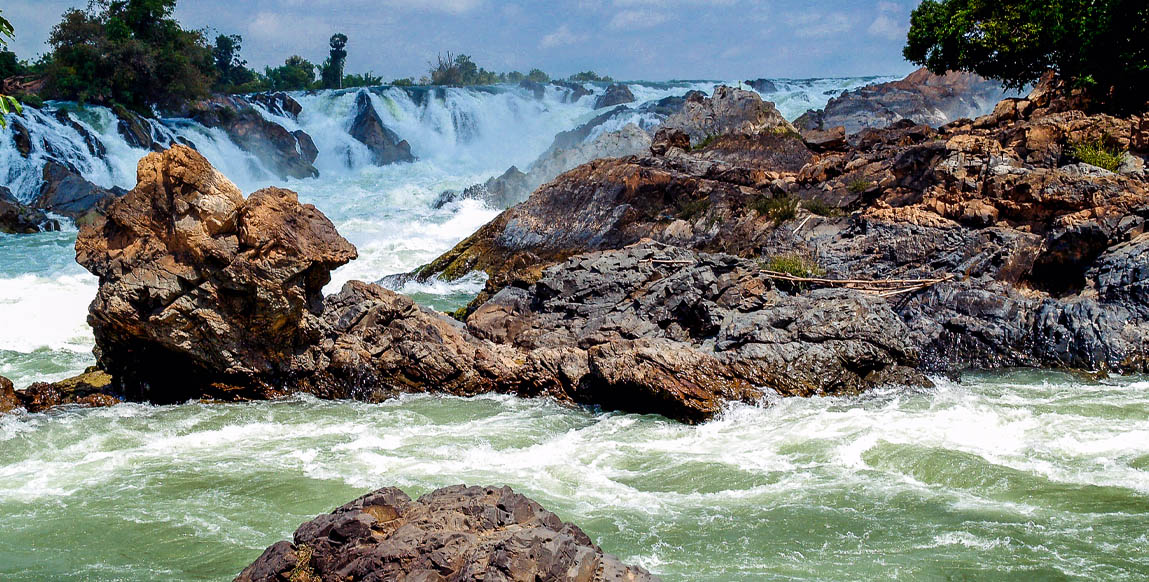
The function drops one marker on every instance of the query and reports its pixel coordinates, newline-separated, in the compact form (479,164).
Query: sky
(627,39)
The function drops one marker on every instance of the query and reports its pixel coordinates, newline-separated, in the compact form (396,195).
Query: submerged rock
(454,533)
(92,389)
(385,145)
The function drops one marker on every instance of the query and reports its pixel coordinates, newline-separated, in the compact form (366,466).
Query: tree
(1098,46)
(296,74)
(332,70)
(225,53)
(128,52)
(589,77)
(7,103)
(537,76)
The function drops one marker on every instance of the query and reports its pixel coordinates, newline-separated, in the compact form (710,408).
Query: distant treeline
(133,53)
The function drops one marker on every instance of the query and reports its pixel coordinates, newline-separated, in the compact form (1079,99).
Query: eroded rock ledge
(204,294)
(454,533)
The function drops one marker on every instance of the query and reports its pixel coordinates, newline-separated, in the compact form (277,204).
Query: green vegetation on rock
(1097,153)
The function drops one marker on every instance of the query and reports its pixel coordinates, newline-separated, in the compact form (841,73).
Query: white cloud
(637,20)
(892,22)
(561,37)
(819,25)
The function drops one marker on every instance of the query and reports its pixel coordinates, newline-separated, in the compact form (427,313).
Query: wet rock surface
(616,94)
(285,153)
(385,145)
(18,218)
(452,534)
(66,192)
(92,389)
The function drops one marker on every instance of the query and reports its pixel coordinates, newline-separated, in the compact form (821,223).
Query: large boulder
(454,533)
(66,192)
(728,111)
(8,399)
(287,154)
(616,94)
(385,145)
(16,218)
(278,103)
(922,97)
(198,285)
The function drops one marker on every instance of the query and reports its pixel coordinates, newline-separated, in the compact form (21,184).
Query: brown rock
(8,399)
(829,140)
(728,111)
(454,533)
(92,389)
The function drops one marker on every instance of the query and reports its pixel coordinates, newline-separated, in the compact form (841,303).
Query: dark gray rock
(385,145)
(455,533)
(279,103)
(21,138)
(577,90)
(763,86)
(616,94)
(66,192)
(95,146)
(16,218)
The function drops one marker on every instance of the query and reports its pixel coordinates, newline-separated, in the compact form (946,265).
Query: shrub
(694,209)
(1097,153)
(858,186)
(780,209)
(793,264)
(705,143)
(821,208)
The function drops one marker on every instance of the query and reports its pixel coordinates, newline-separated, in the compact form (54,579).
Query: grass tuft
(1097,153)
(793,264)
(780,209)
(858,186)
(821,208)
(694,209)
(705,143)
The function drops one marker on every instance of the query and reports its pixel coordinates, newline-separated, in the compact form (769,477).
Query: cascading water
(893,486)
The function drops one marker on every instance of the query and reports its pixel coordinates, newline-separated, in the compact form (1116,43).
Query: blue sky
(628,39)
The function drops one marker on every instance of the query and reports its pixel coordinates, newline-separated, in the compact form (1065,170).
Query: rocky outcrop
(16,218)
(142,133)
(65,192)
(576,90)
(288,154)
(21,138)
(616,94)
(385,145)
(1030,245)
(922,97)
(196,279)
(454,533)
(88,390)
(728,111)
(280,104)
(763,86)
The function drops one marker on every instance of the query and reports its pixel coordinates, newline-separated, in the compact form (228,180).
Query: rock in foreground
(453,534)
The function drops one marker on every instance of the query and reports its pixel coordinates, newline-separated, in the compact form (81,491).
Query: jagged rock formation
(455,533)
(385,145)
(206,295)
(16,218)
(1038,246)
(922,97)
(728,111)
(66,192)
(88,390)
(279,103)
(616,94)
(763,86)
(288,154)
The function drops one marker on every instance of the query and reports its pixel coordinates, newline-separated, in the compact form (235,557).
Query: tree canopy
(1101,46)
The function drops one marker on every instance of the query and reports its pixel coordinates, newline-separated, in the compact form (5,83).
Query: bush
(694,209)
(1097,45)
(793,264)
(705,143)
(590,77)
(821,208)
(1097,153)
(780,209)
(859,185)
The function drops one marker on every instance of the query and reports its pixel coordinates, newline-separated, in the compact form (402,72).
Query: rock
(137,131)
(287,154)
(763,86)
(922,97)
(279,103)
(504,191)
(577,90)
(95,146)
(833,139)
(92,389)
(8,399)
(666,139)
(21,138)
(386,147)
(16,218)
(537,89)
(729,111)
(454,533)
(199,286)
(66,192)
(616,94)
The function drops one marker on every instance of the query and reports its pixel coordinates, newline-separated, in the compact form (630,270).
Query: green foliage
(363,80)
(1098,45)
(231,68)
(31,100)
(129,52)
(537,76)
(515,77)
(6,31)
(404,82)
(590,77)
(793,264)
(8,105)
(694,209)
(331,72)
(705,143)
(780,209)
(859,185)
(10,66)
(1097,153)
(820,208)
(296,74)
(461,71)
